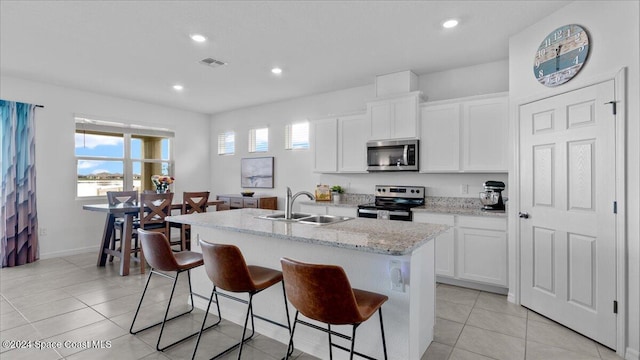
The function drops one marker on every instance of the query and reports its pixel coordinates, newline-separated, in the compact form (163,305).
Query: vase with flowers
(162,182)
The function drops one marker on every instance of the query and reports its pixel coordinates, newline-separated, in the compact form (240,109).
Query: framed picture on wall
(256,172)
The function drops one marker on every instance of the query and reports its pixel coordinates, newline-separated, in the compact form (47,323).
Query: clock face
(561,55)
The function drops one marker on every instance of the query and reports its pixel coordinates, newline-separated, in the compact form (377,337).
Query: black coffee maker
(491,197)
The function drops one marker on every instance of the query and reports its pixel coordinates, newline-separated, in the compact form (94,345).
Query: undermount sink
(281,217)
(306,218)
(323,219)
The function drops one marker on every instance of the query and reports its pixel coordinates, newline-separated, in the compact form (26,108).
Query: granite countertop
(451,210)
(368,235)
(349,203)
(433,204)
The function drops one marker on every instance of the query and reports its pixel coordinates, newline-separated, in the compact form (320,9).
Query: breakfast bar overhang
(367,249)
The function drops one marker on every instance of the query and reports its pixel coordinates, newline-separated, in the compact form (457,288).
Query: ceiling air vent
(212,62)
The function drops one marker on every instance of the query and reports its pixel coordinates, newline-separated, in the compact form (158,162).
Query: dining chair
(192,202)
(122,197)
(153,210)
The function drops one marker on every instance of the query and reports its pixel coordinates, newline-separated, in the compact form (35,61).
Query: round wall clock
(561,55)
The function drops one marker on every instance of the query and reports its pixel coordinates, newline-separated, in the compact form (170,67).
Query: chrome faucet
(288,203)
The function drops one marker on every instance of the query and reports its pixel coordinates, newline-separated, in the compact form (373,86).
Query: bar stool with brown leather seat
(323,293)
(228,271)
(161,257)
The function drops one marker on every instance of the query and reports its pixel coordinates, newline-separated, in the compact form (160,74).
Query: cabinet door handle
(523,215)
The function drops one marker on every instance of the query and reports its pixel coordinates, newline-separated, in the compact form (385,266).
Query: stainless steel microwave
(392,155)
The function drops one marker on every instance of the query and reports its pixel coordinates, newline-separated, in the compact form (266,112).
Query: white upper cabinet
(464,135)
(394,118)
(324,135)
(340,144)
(484,124)
(440,138)
(352,143)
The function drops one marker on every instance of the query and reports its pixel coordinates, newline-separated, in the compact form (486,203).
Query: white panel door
(567,160)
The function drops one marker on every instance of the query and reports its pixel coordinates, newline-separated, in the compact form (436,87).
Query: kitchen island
(365,248)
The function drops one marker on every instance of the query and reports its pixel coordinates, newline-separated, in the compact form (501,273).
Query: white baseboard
(472,285)
(57,254)
(632,354)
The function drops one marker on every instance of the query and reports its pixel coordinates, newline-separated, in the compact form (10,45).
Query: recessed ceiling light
(276,70)
(450,24)
(198,38)
(178,87)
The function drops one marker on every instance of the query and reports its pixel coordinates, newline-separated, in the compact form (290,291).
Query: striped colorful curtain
(19,220)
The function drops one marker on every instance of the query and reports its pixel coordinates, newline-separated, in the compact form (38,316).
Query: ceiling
(140,49)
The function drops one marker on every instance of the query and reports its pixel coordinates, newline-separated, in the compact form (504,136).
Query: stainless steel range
(393,202)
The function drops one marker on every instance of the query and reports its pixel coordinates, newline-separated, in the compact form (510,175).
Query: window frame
(222,143)
(128,132)
(252,141)
(289,136)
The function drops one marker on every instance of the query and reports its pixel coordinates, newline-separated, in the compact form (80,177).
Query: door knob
(523,215)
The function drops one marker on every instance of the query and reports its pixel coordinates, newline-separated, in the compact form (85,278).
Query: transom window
(297,136)
(117,157)
(259,140)
(226,143)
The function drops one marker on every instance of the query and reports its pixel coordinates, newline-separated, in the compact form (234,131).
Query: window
(115,157)
(297,136)
(259,140)
(227,143)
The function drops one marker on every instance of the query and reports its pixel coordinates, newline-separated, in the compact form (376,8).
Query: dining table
(127,211)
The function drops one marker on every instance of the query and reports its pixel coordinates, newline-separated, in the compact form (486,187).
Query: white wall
(468,81)
(69,229)
(614,29)
(293,168)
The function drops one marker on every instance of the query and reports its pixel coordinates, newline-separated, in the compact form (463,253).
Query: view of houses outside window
(109,161)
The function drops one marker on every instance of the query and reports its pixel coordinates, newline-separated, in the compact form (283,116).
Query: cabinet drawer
(250,203)
(481,222)
(236,203)
(434,218)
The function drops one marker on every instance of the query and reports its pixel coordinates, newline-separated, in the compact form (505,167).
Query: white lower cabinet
(482,255)
(473,249)
(445,242)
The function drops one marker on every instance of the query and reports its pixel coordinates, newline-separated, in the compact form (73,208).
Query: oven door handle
(367,211)
(375,212)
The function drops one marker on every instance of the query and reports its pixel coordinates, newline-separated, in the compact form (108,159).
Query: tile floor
(476,325)
(70,299)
